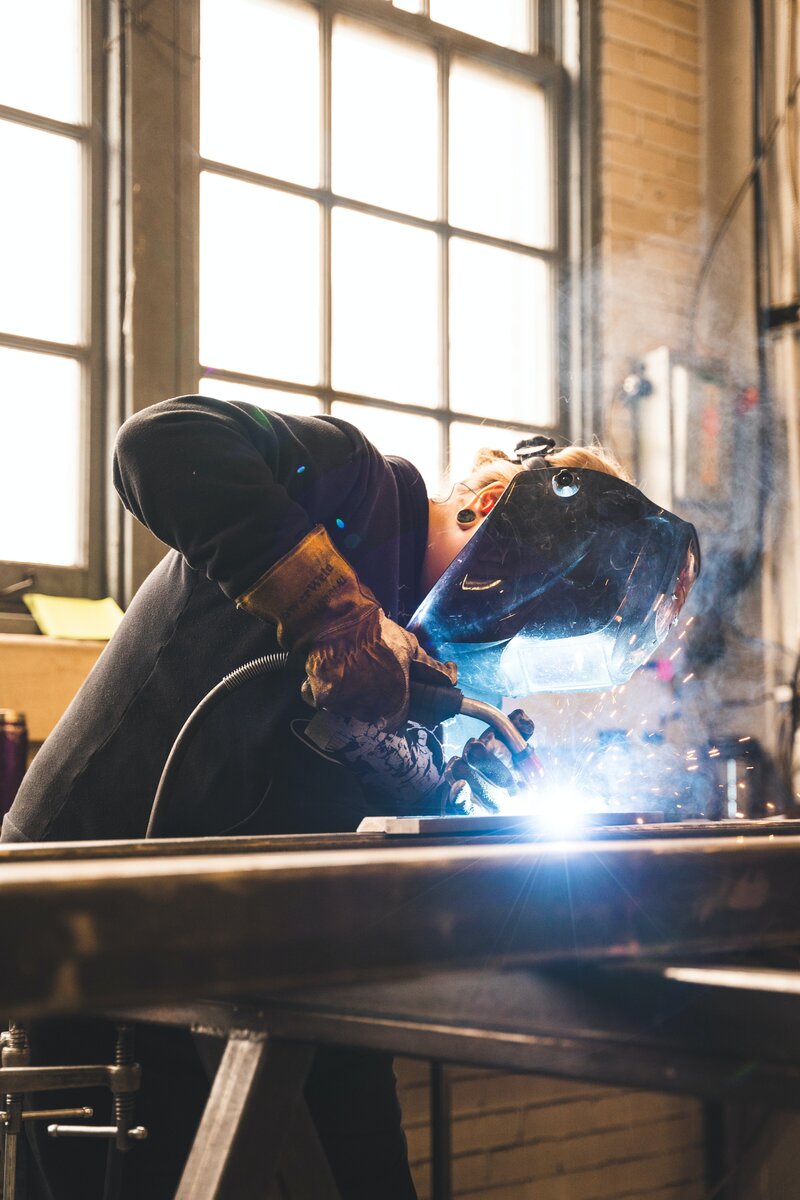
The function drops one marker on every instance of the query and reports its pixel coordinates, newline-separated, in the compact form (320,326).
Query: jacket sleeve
(232,487)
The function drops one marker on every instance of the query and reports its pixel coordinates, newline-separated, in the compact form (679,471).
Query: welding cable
(743,568)
(266,664)
(757,162)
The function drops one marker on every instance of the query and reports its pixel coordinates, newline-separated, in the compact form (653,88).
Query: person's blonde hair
(495,466)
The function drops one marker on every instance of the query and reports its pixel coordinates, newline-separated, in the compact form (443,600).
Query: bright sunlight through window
(43,333)
(377,238)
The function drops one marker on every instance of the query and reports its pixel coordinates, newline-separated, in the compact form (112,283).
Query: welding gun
(429,705)
(408,766)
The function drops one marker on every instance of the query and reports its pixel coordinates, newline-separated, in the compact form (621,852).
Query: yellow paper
(68,617)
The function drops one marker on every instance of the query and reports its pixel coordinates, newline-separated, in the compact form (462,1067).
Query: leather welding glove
(357,659)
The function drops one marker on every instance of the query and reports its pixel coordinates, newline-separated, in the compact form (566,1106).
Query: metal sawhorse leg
(256,1128)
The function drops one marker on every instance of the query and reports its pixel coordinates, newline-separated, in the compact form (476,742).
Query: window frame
(542,67)
(88,577)
(142,249)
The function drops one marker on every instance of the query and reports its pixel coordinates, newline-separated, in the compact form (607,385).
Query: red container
(13,755)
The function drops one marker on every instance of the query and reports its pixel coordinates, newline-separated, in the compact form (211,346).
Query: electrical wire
(790,127)
(735,203)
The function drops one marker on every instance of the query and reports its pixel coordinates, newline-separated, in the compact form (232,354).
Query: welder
(291,532)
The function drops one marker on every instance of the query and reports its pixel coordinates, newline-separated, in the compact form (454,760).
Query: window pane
(40,454)
(499,160)
(41,61)
(271,398)
(500,334)
(259,280)
(466,440)
(414,6)
(501,21)
(385,132)
(259,87)
(385,309)
(416,438)
(41,225)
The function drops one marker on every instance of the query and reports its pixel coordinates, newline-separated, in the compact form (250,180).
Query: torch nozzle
(525,757)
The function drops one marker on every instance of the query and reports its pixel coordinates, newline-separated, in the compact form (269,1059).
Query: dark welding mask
(570,584)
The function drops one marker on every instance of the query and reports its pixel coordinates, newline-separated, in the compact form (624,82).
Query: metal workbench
(662,957)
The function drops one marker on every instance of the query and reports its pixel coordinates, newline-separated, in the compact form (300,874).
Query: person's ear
(488,497)
(480,506)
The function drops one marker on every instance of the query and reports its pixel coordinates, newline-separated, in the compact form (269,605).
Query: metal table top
(107,927)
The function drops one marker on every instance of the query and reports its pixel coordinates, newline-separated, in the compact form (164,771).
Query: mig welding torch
(429,705)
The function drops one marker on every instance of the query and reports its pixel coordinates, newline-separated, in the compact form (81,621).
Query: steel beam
(632,1027)
(88,935)
(281,843)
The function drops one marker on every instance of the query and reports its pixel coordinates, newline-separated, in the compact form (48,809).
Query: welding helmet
(569,584)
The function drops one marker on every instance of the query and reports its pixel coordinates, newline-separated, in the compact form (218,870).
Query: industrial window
(46,336)
(379,236)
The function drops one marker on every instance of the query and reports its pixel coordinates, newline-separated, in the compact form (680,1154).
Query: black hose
(254,669)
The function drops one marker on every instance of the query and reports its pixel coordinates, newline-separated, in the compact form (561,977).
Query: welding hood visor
(569,584)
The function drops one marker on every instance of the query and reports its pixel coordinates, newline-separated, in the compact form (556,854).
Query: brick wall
(515,1136)
(650,175)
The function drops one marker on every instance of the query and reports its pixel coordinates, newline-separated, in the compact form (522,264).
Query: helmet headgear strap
(537,447)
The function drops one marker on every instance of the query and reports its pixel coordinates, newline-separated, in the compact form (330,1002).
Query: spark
(686,678)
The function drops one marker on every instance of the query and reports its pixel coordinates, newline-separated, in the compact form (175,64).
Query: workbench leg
(715,1145)
(304,1169)
(252,1104)
(441,1133)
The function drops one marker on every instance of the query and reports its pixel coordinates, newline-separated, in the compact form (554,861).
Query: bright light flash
(559,824)
(558,810)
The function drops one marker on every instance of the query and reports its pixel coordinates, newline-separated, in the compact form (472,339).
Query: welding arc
(266,664)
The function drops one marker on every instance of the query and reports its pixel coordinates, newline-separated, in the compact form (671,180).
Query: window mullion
(326,251)
(444,247)
(159,180)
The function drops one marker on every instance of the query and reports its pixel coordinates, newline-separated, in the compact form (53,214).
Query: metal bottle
(13,755)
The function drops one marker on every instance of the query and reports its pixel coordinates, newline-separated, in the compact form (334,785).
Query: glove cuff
(310,591)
